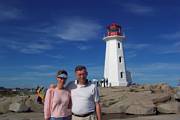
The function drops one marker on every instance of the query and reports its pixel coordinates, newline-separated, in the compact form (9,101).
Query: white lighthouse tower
(115,67)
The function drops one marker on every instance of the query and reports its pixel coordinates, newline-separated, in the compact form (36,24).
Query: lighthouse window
(118,45)
(113,30)
(121,74)
(120,59)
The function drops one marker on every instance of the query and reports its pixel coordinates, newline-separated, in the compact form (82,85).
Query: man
(85,97)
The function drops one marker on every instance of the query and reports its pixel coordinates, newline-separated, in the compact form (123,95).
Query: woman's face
(61,80)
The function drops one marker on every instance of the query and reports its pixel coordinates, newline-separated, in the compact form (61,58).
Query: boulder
(141,110)
(147,87)
(147,92)
(177,95)
(33,105)
(19,99)
(173,107)
(166,88)
(160,98)
(137,103)
(119,107)
(18,107)
(4,105)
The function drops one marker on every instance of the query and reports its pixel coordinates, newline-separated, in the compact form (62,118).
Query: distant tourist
(101,82)
(57,105)
(106,82)
(40,94)
(85,97)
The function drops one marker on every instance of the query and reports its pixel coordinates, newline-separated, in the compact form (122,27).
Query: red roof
(113,25)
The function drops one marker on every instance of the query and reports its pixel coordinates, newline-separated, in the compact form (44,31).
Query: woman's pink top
(57,103)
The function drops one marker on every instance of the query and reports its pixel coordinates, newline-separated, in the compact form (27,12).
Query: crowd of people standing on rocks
(103,83)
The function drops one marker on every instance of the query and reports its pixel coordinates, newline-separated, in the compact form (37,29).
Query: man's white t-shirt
(84,97)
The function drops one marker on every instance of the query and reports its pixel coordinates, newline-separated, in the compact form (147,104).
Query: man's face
(81,74)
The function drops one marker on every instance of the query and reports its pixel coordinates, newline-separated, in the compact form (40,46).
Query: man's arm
(98,111)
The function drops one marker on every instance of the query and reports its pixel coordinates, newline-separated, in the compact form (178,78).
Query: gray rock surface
(33,105)
(177,95)
(137,99)
(18,107)
(4,105)
(141,110)
(172,107)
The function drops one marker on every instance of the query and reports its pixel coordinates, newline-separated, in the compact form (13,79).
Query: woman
(57,105)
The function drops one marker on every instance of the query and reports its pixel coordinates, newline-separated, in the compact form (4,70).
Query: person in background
(40,94)
(85,97)
(57,105)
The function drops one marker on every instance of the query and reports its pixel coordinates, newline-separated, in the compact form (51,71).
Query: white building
(115,67)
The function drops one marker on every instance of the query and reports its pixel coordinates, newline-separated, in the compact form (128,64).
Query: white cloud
(15,78)
(36,48)
(169,49)
(83,47)
(137,8)
(156,72)
(95,71)
(171,36)
(133,48)
(41,67)
(162,66)
(155,69)
(74,29)
(30,48)
(177,44)
(9,13)
(131,54)
(28,79)
(78,29)
(59,56)
(137,46)
(39,74)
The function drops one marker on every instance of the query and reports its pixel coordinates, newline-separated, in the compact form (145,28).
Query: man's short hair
(80,67)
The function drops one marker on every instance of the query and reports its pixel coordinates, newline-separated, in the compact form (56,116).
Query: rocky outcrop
(138,99)
(160,98)
(18,107)
(4,104)
(141,110)
(177,93)
(20,104)
(135,100)
(33,105)
(172,107)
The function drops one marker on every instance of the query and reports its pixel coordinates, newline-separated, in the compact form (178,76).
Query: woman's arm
(47,105)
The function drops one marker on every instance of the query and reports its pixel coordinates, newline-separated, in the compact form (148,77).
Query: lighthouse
(115,67)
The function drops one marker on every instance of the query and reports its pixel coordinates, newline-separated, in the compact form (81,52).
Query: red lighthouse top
(113,30)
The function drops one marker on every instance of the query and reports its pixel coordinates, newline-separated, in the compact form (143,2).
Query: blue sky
(38,37)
